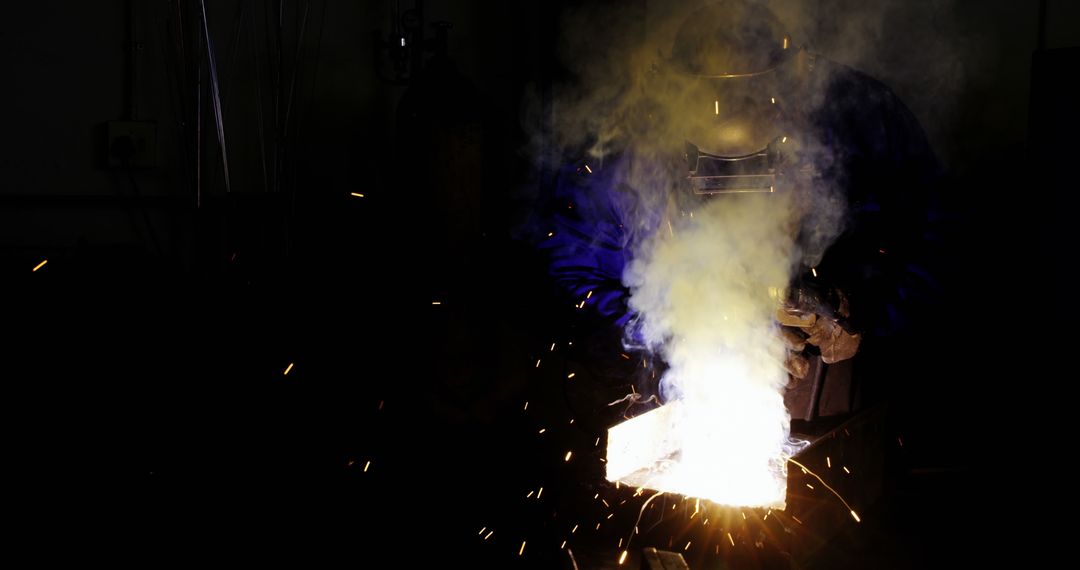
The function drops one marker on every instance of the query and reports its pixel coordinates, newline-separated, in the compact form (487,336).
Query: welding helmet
(738,79)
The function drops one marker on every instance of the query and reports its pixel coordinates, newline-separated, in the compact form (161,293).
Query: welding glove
(807,317)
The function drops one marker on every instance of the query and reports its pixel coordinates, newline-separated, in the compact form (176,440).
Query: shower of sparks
(356,194)
(522,549)
(287,369)
(622,557)
(40,265)
(568,454)
(833,491)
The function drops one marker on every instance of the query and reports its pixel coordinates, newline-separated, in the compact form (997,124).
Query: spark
(743,515)
(783,140)
(855,516)
(563,545)
(357,194)
(616,483)
(381,402)
(624,355)
(622,557)
(620,543)
(436,302)
(366,465)
(605,503)
(542,430)
(350,463)
(705,523)
(571,421)
(589,296)
(597,526)
(670,231)
(900,441)
(538,363)
(611,515)
(481,531)
(814,271)
(828,461)
(785,42)
(731,539)
(287,369)
(526,405)
(522,549)
(810,486)
(490,532)
(846,470)
(573,530)
(571,375)
(538,493)
(697,506)
(551,234)
(40,265)
(587,168)
(596,496)
(597,444)
(568,454)
(530,494)
(815,475)
(687,547)
(552,349)
(773,100)
(796,519)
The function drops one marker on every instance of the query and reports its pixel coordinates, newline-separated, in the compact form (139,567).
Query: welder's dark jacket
(883,260)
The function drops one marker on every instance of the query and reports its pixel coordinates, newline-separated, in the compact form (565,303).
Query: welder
(777,119)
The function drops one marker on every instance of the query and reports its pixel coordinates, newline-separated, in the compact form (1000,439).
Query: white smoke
(701,288)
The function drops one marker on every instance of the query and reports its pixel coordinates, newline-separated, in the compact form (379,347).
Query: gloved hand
(807,317)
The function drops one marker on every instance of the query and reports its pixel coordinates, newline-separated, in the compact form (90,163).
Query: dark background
(148,416)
